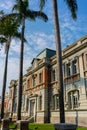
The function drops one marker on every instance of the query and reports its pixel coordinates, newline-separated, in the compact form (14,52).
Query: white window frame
(56,102)
(74,66)
(73,99)
(68,69)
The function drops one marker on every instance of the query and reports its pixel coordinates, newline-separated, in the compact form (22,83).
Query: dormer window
(35,62)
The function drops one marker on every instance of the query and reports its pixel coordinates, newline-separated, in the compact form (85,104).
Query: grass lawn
(12,126)
(33,126)
(40,126)
(82,129)
(45,127)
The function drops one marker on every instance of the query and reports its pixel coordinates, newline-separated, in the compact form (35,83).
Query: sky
(40,34)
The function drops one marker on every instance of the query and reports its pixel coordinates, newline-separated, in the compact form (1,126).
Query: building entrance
(32,107)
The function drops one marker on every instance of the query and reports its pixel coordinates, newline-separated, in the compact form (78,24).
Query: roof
(48,53)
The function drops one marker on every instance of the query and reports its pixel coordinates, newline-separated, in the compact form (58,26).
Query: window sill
(52,82)
(71,75)
(75,77)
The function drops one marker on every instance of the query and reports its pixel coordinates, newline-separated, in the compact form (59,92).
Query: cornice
(78,48)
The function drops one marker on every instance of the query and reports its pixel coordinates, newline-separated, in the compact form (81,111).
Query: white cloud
(41,40)
(6,5)
(71,30)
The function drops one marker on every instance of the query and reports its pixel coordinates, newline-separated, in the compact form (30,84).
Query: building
(6,105)
(40,100)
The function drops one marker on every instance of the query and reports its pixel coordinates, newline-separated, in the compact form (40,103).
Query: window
(63,70)
(34,80)
(74,66)
(53,75)
(75,101)
(28,83)
(73,98)
(27,104)
(86,60)
(68,67)
(56,102)
(40,78)
(40,102)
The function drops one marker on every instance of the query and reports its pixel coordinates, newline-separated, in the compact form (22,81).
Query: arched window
(73,98)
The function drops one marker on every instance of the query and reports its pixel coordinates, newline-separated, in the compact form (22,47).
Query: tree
(8,31)
(23,12)
(72,4)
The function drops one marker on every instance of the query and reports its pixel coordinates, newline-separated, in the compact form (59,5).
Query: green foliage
(82,128)
(40,126)
(8,25)
(33,126)
(12,126)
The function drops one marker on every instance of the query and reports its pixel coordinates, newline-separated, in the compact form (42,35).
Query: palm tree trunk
(21,72)
(59,62)
(4,85)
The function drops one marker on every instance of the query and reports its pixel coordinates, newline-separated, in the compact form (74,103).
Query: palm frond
(36,14)
(1,12)
(17,35)
(42,3)
(72,5)
(9,24)
(21,6)
(2,39)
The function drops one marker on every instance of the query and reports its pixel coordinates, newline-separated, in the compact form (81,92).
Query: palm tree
(23,12)
(73,8)
(8,31)
(72,5)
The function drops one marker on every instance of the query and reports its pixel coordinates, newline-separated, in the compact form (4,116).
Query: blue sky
(40,35)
